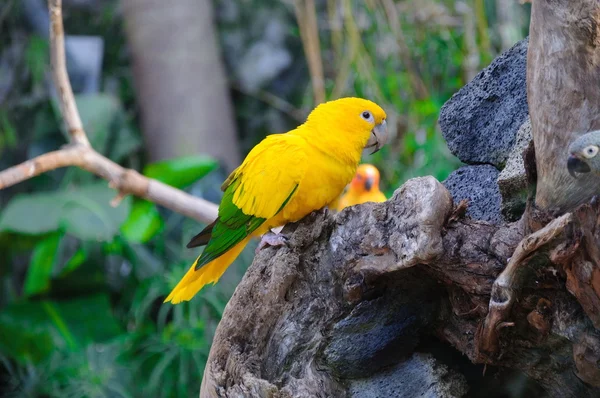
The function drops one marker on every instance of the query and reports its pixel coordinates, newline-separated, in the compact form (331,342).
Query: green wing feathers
(229,229)
(256,191)
(203,237)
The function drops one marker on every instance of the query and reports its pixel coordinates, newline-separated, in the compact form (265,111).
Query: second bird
(363,188)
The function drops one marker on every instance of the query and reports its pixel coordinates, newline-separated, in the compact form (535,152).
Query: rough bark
(180,80)
(563,77)
(354,292)
(346,303)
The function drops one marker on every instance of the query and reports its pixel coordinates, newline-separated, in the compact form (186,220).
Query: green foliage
(41,265)
(143,223)
(31,330)
(37,58)
(8,135)
(181,172)
(84,212)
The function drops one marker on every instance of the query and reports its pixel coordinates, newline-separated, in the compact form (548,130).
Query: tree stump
(379,299)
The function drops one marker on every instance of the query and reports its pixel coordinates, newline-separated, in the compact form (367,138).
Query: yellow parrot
(284,178)
(363,188)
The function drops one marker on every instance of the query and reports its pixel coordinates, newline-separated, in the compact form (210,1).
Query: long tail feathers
(194,280)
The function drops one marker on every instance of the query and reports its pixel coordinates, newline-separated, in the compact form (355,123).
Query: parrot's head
(353,122)
(583,154)
(366,179)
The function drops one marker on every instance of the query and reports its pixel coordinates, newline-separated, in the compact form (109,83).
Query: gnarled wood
(355,292)
(563,80)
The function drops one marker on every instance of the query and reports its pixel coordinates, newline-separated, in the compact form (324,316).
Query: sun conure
(284,178)
(363,188)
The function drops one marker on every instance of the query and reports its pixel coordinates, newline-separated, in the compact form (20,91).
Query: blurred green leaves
(181,172)
(143,223)
(41,265)
(84,212)
(83,314)
(36,58)
(31,330)
(8,135)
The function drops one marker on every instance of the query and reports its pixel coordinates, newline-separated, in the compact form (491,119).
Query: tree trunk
(563,89)
(354,293)
(347,307)
(180,80)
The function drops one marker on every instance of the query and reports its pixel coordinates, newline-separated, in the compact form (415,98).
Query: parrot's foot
(325,211)
(271,239)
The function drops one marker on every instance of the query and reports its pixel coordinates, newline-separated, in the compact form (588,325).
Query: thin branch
(508,283)
(306,16)
(79,153)
(58,62)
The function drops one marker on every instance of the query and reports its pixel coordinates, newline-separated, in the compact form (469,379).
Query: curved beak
(575,165)
(378,137)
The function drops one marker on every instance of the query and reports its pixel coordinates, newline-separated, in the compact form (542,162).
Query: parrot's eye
(590,151)
(368,116)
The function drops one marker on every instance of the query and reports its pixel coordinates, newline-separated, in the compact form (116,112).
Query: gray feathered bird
(583,154)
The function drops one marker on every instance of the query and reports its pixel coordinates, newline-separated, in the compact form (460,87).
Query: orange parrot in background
(363,188)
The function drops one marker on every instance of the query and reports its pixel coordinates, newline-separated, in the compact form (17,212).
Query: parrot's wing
(255,192)
(203,237)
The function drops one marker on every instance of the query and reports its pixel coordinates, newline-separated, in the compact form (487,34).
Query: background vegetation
(81,282)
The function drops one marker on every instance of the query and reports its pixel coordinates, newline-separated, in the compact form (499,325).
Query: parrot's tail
(194,280)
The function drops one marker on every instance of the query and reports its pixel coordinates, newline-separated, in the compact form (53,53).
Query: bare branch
(80,154)
(68,108)
(508,283)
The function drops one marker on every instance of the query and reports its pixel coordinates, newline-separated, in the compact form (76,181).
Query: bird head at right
(366,179)
(357,122)
(583,154)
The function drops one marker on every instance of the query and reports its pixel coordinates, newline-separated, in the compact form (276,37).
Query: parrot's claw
(324,211)
(271,239)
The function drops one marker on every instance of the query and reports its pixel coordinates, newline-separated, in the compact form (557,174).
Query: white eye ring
(368,116)
(590,151)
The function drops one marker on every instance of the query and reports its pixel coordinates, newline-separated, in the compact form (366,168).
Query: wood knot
(354,287)
(540,318)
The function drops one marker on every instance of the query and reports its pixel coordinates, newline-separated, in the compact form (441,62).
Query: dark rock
(419,376)
(379,332)
(481,120)
(479,185)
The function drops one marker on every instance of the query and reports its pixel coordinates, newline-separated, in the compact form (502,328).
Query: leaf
(74,262)
(31,331)
(41,265)
(143,223)
(89,215)
(32,214)
(181,172)
(84,212)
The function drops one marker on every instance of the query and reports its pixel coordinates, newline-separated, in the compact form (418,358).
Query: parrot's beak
(369,183)
(575,165)
(378,137)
